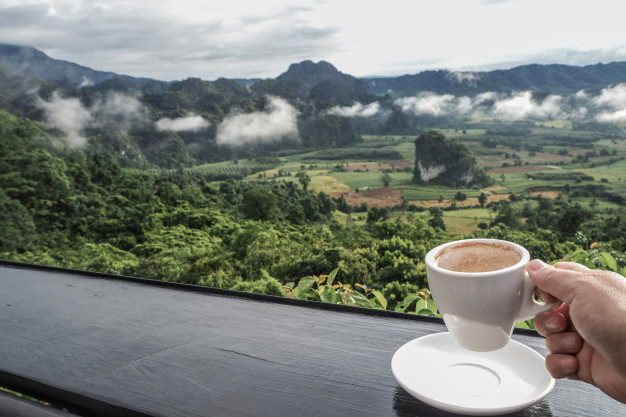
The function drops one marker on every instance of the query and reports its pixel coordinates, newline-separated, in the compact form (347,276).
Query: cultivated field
(551,159)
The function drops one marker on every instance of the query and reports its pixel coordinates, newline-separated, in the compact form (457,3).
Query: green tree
(260,204)
(386,179)
(482,199)
(375,214)
(571,219)
(18,228)
(436,219)
(304,179)
(507,216)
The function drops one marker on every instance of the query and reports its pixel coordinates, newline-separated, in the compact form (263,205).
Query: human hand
(586,335)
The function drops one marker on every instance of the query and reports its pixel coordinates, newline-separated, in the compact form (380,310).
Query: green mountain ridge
(554,78)
(36,63)
(326,106)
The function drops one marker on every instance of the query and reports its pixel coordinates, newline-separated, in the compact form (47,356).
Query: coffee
(477,257)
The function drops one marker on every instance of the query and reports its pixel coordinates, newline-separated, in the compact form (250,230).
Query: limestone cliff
(439,160)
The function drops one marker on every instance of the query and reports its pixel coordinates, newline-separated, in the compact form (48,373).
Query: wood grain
(95,341)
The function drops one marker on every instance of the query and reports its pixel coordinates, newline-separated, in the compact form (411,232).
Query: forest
(262,233)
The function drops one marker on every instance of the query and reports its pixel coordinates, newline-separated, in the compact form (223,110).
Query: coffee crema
(477,257)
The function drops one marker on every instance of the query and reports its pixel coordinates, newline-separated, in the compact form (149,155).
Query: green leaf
(381,299)
(326,294)
(607,261)
(360,300)
(332,275)
(430,304)
(425,312)
(333,294)
(305,284)
(404,304)
(420,305)
(308,295)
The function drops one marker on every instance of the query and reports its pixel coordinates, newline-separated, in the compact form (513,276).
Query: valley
(553,169)
(271,186)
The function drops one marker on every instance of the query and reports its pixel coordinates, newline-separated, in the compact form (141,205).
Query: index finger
(553,321)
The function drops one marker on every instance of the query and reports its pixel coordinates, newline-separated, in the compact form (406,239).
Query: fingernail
(553,323)
(536,265)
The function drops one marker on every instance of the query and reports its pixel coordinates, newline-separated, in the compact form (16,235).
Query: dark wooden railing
(102,345)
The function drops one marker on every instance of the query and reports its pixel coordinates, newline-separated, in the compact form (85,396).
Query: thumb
(560,283)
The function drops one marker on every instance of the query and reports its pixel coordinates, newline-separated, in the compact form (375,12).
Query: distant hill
(558,79)
(13,84)
(311,74)
(328,108)
(324,83)
(31,61)
(320,82)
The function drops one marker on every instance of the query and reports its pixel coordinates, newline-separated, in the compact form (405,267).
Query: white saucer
(437,371)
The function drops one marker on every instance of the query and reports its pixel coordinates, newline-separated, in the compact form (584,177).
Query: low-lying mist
(279,118)
(607,106)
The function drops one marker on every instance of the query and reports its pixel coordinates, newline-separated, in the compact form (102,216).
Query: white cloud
(614,97)
(171,40)
(608,106)
(614,116)
(612,101)
(522,106)
(192,123)
(518,106)
(465,105)
(276,122)
(73,117)
(356,110)
(86,82)
(467,77)
(68,114)
(429,104)
(117,106)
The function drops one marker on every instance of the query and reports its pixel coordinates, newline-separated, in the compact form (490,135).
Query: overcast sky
(173,40)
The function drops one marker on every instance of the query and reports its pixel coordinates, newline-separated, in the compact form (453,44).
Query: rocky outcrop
(439,160)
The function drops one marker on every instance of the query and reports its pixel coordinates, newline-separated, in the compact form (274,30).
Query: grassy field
(615,173)
(466,221)
(540,161)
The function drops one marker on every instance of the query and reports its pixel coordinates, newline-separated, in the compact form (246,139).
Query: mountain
(14,84)
(323,83)
(439,160)
(320,82)
(123,116)
(310,74)
(119,116)
(31,61)
(558,79)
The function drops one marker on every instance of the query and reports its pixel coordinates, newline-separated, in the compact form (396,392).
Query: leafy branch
(323,288)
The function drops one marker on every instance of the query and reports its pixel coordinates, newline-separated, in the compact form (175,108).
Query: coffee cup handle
(531,307)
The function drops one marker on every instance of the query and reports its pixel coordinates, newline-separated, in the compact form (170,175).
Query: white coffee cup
(480,309)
